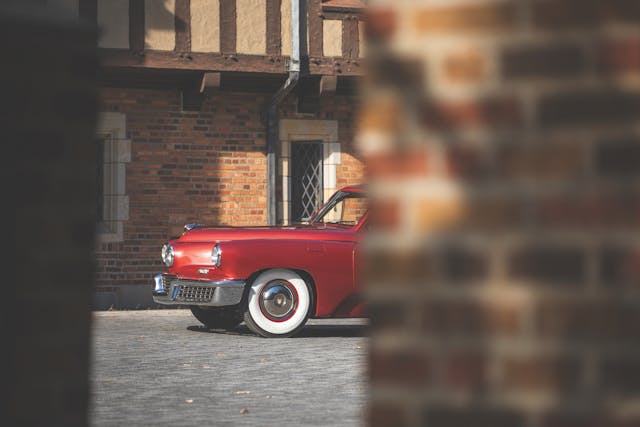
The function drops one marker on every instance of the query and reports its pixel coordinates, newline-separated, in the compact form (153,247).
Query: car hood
(302,232)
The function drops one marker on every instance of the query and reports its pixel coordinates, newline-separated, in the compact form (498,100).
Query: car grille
(190,293)
(166,282)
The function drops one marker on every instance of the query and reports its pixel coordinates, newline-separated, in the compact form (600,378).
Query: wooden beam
(338,16)
(350,38)
(210,83)
(274,39)
(88,10)
(336,66)
(315,28)
(228,24)
(328,85)
(183,25)
(343,6)
(125,58)
(136,25)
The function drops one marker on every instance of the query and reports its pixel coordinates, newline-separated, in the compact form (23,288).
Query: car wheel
(217,317)
(278,304)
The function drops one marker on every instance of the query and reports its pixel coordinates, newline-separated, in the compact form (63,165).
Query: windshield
(343,209)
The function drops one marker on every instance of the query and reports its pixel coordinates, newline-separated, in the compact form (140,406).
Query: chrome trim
(277,300)
(197,292)
(167,251)
(191,226)
(216,255)
(158,288)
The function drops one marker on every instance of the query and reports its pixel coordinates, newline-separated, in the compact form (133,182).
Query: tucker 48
(272,278)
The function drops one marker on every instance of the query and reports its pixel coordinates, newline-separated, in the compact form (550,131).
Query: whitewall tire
(278,303)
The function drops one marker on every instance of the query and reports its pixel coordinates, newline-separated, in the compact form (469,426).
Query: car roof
(359,188)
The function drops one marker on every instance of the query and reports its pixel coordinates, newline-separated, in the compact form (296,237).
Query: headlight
(216,255)
(167,254)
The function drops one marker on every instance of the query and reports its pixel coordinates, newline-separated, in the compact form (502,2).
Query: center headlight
(216,255)
(167,254)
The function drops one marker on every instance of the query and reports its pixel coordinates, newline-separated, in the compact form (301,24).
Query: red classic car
(273,278)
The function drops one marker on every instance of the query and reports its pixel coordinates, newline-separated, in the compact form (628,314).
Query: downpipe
(272,110)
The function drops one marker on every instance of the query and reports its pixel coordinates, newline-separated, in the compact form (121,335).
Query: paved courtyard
(161,367)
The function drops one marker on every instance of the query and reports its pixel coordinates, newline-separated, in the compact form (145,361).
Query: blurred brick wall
(47,118)
(503,146)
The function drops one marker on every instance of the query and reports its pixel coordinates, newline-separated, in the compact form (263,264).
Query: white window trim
(117,153)
(292,131)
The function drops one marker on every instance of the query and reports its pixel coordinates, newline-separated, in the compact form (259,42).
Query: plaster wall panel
(332,38)
(205,25)
(251,28)
(159,20)
(113,23)
(285,27)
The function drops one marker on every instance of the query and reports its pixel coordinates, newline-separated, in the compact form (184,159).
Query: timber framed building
(184,123)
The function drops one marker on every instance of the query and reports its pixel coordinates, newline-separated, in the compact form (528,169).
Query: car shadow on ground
(309,331)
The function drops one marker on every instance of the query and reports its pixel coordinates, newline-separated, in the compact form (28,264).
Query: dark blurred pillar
(502,141)
(47,119)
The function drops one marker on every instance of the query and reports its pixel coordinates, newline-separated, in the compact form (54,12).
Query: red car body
(324,254)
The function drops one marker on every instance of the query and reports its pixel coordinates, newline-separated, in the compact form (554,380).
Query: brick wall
(207,167)
(502,140)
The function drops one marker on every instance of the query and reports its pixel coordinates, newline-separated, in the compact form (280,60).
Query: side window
(354,208)
(335,213)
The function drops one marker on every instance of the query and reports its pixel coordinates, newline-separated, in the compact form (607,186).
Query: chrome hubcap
(278,300)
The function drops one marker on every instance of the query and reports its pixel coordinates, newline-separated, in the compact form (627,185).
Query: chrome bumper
(171,290)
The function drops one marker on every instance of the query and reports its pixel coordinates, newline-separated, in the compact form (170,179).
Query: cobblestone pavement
(161,367)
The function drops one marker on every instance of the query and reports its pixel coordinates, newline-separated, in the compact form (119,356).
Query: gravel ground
(161,367)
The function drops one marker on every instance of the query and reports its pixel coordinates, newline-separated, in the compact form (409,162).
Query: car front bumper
(172,290)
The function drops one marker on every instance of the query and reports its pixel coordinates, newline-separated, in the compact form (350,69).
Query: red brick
(588,418)
(620,265)
(470,416)
(618,158)
(385,414)
(548,265)
(205,166)
(468,66)
(482,17)
(385,214)
(402,268)
(381,24)
(620,375)
(400,367)
(620,56)
(459,264)
(489,112)
(400,163)
(467,162)
(562,14)
(546,61)
(541,373)
(590,210)
(466,371)
(592,107)
(595,321)
(540,161)
(448,319)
